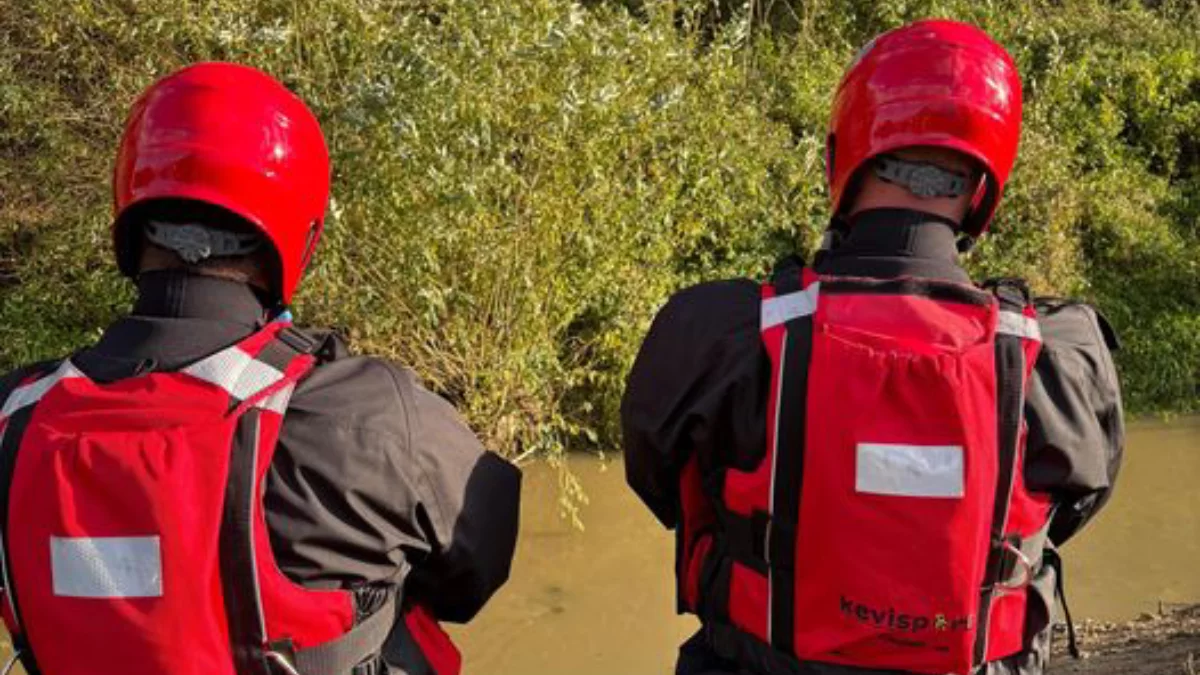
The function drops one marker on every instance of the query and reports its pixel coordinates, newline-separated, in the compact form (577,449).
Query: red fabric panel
(691,572)
(697,515)
(749,601)
(892,581)
(435,644)
(256,342)
(1006,634)
(308,617)
(746,492)
(143,457)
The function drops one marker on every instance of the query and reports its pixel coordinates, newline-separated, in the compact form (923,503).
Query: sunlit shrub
(519,184)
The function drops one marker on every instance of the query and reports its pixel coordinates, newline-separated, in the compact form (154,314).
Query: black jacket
(701,380)
(376,482)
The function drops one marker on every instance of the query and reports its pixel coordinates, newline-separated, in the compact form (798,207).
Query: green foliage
(519,184)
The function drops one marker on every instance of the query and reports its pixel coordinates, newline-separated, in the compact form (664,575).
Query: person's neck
(184,295)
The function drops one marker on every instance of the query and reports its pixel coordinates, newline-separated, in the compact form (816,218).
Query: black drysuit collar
(889,243)
(178,318)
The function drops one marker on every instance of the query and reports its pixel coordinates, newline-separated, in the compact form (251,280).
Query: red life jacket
(134,536)
(887,525)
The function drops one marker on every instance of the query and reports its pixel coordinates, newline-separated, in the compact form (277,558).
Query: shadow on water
(602,601)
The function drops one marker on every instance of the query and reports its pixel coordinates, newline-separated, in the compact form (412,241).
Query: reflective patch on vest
(909,470)
(278,402)
(236,372)
(106,567)
(34,391)
(1013,323)
(784,308)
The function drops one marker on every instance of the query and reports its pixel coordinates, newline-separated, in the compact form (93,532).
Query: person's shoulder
(718,294)
(721,305)
(1074,324)
(353,390)
(709,327)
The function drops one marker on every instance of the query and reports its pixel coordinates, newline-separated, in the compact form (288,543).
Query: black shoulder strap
(290,343)
(1012,292)
(786,272)
(10,441)
(1013,296)
(785,498)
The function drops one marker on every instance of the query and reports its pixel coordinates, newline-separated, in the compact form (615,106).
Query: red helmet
(231,136)
(932,83)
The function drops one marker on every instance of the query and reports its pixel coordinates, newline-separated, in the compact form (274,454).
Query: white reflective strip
(34,391)
(909,470)
(256,376)
(1013,323)
(278,402)
(784,308)
(236,372)
(106,567)
(222,368)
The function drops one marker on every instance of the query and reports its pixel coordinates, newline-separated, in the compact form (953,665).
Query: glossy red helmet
(930,83)
(234,137)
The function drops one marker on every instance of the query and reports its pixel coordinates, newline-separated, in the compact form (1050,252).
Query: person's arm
(470,504)
(1076,425)
(696,386)
(377,481)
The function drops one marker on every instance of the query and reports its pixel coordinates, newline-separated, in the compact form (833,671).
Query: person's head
(927,117)
(200,238)
(224,172)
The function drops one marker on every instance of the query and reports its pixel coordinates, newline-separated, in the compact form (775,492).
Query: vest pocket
(899,475)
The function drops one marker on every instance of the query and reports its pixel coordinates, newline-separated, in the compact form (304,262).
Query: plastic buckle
(282,662)
(1021,563)
(297,340)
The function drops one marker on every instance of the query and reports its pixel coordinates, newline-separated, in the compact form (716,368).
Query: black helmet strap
(922,179)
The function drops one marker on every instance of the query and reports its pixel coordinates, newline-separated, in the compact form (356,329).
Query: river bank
(1163,643)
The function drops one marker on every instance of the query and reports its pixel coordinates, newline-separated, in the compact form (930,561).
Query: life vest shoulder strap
(35,385)
(1018,315)
(262,369)
(15,412)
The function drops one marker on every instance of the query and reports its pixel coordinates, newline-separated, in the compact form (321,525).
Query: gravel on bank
(1164,643)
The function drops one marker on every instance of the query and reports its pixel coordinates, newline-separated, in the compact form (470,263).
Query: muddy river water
(600,601)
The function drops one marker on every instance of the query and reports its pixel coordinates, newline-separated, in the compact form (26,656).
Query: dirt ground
(1166,643)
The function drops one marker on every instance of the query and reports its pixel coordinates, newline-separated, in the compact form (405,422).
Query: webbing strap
(10,442)
(1054,560)
(787,478)
(29,394)
(1010,401)
(239,570)
(1021,557)
(245,377)
(354,649)
(745,537)
(17,411)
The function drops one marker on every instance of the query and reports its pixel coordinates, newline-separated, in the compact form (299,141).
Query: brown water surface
(601,601)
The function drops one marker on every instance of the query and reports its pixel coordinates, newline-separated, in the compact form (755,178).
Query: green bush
(519,184)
